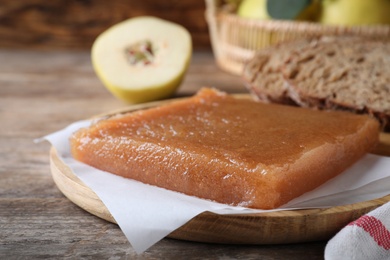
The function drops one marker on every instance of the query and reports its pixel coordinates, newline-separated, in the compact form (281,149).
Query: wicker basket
(235,40)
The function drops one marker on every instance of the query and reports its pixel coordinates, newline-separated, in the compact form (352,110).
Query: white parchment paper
(146,214)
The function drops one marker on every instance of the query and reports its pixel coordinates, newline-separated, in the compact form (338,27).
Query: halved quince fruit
(142,59)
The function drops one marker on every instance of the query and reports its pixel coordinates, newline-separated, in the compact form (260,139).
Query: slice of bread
(346,73)
(343,73)
(262,73)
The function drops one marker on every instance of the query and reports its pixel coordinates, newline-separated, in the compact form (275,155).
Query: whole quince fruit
(256,9)
(142,59)
(303,10)
(355,12)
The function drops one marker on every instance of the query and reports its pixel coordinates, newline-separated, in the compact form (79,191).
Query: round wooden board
(292,226)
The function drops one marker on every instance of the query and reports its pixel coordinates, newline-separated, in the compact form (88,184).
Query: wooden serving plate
(280,227)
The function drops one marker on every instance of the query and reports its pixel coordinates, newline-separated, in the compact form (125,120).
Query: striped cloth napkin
(365,238)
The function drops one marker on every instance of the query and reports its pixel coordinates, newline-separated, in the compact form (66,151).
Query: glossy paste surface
(233,151)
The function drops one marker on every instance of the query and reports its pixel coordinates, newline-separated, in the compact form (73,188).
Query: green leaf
(286,9)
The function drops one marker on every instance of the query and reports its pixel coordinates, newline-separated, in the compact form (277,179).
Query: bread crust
(338,73)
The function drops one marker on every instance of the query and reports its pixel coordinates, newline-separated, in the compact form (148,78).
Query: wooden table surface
(41,92)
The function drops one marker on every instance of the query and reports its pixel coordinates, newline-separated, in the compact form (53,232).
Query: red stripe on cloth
(375,228)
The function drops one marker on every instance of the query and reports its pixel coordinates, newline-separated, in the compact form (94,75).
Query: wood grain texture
(44,91)
(75,24)
(293,226)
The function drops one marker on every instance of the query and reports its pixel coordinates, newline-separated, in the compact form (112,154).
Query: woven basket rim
(303,26)
(230,53)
